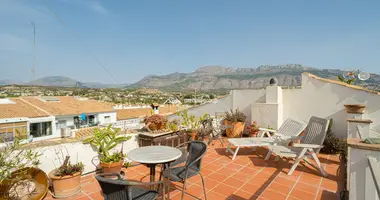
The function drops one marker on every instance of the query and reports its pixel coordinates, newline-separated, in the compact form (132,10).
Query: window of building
(107,119)
(62,124)
(91,120)
(40,129)
(8,132)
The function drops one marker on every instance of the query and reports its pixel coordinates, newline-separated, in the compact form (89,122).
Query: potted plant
(253,129)
(66,179)
(173,125)
(355,108)
(105,140)
(155,122)
(191,123)
(19,175)
(237,121)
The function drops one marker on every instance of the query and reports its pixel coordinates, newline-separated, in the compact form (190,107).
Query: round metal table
(153,155)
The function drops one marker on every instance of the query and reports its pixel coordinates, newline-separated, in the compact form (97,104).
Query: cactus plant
(105,140)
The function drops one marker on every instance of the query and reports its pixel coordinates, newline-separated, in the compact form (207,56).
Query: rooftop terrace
(247,177)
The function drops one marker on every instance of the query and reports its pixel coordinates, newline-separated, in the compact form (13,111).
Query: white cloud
(9,42)
(97,7)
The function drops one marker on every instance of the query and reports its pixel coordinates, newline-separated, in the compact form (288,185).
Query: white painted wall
(222,105)
(327,100)
(243,100)
(362,185)
(101,116)
(78,152)
(315,98)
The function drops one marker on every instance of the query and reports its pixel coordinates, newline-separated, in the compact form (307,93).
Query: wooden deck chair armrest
(314,146)
(267,130)
(286,137)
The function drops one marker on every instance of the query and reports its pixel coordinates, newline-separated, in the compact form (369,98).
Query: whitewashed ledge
(51,155)
(153,134)
(363,170)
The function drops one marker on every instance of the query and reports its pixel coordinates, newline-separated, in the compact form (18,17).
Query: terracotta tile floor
(247,177)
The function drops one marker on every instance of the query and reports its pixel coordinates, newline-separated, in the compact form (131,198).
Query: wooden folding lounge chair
(309,146)
(289,129)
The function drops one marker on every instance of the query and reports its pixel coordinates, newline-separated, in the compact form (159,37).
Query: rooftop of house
(68,105)
(247,177)
(123,114)
(16,108)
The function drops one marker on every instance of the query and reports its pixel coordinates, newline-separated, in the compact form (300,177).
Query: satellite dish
(364,76)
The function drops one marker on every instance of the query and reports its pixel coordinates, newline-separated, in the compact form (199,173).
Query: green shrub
(333,144)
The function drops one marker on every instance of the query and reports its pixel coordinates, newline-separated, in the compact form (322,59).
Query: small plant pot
(65,186)
(355,108)
(114,167)
(237,129)
(255,134)
(193,135)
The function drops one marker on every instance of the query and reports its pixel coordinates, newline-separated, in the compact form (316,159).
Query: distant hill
(218,77)
(59,81)
(9,82)
(62,81)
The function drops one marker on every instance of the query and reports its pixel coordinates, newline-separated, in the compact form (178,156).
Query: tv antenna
(33,69)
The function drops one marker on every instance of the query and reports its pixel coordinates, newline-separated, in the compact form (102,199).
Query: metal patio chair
(127,190)
(195,150)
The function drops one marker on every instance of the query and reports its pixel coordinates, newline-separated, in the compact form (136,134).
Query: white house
(52,117)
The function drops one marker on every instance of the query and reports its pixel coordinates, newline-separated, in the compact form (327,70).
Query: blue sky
(133,39)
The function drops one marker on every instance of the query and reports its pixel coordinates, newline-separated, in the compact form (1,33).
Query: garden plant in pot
(253,130)
(236,122)
(19,176)
(155,122)
(105,140)
(66,179)
(191,123)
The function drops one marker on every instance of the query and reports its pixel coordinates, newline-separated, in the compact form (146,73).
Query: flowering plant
(155,119)
(253,129)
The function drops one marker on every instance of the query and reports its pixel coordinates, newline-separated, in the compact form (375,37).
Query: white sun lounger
(309,146)
(288,130)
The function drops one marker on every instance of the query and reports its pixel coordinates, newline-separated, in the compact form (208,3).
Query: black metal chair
(127,190)
(194,152)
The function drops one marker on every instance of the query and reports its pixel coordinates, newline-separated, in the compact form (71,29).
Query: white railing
(375,171)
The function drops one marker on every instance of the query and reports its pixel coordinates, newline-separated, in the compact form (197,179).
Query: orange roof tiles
(20,109)
(142,112)
(68,105)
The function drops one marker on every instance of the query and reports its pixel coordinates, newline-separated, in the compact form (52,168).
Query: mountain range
(62,81)
(218,77)
(213,78)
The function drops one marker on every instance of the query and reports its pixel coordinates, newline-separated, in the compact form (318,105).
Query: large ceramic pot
(114,167)
(235,130)
(65,186)
(34,175)
(355,108)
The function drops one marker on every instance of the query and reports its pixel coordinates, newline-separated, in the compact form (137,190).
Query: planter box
(164,139)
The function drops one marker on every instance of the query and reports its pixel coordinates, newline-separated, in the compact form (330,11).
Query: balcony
(247,177)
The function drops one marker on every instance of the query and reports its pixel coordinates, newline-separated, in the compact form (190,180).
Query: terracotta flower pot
(65,186)
(355,108)
(193,135)
(155,127)
(237,129)
(114,167)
